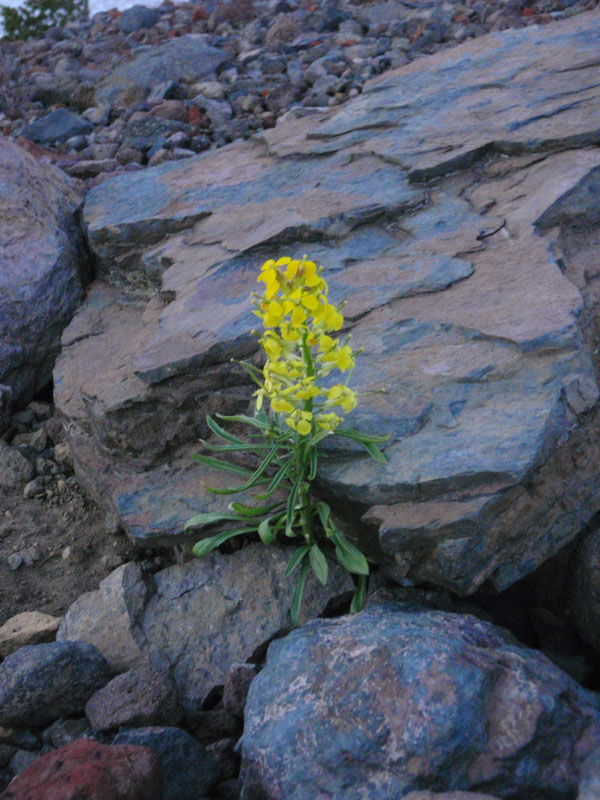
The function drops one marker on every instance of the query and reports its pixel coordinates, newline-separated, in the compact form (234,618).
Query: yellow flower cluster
(298,319)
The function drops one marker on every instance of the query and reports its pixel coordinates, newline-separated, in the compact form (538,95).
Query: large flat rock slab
(42,267)
(469,294)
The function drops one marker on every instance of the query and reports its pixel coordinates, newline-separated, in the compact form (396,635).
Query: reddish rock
(86,769)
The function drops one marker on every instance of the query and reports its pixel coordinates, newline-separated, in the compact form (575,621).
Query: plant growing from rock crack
(298,321)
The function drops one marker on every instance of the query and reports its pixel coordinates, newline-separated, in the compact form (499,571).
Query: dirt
(67,550)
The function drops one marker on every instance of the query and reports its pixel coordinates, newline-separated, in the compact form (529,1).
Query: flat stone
(42,267)
(28,627)
(186,58)
(397,696)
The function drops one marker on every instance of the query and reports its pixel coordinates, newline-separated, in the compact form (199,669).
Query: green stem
(306,513)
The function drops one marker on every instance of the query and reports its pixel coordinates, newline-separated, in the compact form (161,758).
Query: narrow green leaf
(352,433)
(291,506)
(224,466)
(358,599)
(316,438)
(275,483)
(297,556)
(374,452)
(253,511)
(318,563)
(298,593)
(233,448)
(313,460)
(221,432)
(204,546)
(265,531)
(209,518)
(350,556)
(254,372)
(256,422)
(324,513)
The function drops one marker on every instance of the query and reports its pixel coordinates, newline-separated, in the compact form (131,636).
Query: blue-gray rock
(187,58)
(41,682)
(137,17)
(397,698)
(187,769)
(57,126)
(462,294)
(43,266)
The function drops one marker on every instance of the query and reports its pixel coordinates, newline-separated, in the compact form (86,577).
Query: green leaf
(313,460)
(298,592)
(209,518)
(297,556)
(255,477)
(374,452)
(318,563)
(291,506)
(275,483)
(358,599)
(233,448)
(204,546)
(352,433)
(221,432)
(253,511)
(324,513)
(256,422)
(265,531)
(224,466)
(316,438)
(350,556)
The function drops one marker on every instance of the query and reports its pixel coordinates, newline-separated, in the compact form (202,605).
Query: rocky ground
(462,183)
(247,64)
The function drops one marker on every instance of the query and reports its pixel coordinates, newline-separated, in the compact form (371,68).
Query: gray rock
(42,267)
(141,697)
(15,469)
(187,58)
(397,696)
(583,588)
(138,17)
(186,767)
(110,618)
(57,126)
(42,682)
(244,597)
(21,760)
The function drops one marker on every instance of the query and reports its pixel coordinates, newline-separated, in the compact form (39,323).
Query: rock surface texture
(42,267)
(454,205)
(390,700)
(194,620)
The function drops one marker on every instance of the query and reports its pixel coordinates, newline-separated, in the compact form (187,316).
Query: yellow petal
(303,427)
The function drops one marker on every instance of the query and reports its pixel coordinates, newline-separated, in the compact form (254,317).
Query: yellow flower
(300,352)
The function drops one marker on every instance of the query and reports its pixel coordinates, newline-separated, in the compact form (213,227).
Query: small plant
(304,407)
(34,17)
